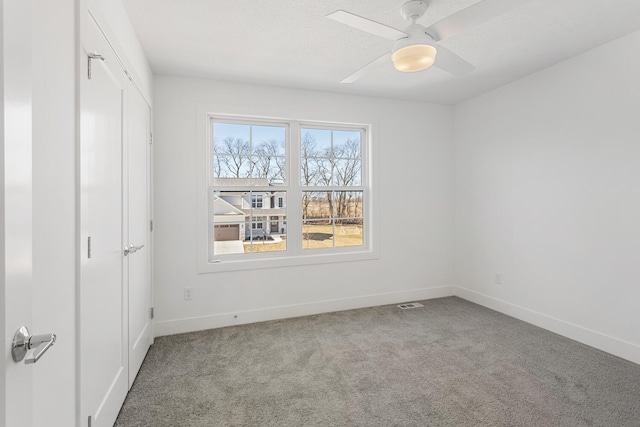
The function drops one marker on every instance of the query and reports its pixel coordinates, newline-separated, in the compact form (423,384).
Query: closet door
(138,229)
(103,328)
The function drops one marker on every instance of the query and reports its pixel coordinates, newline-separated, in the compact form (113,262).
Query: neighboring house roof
(224,211)
(222,208)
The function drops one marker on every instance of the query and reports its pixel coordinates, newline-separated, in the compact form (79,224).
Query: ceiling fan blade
(362,71)
(364,24)
(452,63)
(471,16)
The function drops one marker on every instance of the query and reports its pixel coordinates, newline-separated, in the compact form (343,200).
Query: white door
(15,207)
(138,261)
(103,329)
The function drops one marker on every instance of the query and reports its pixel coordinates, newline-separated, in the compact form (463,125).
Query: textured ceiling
(291,43)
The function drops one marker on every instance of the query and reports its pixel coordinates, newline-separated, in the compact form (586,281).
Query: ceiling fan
(416,47)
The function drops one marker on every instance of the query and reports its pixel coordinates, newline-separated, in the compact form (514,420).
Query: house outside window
(314,179)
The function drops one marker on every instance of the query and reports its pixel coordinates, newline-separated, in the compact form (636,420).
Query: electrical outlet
(498,279)
(188,294)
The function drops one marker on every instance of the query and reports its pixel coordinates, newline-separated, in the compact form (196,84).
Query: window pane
(226,238)
(268,140)
(332,219)
(225,134)
(347,204)
(268,170)
(349,232)
(268,149)
(317,234)
(229,223)
(231,166)
(317,171)
(266,234)
(233,140)
(245,222)
(317,205)
(325,171)
(348,172)
(246,155)
(330,157)
(316,167)
(316,142)
(346,144)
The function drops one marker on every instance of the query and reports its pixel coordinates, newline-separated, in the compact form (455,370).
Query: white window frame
(294,254)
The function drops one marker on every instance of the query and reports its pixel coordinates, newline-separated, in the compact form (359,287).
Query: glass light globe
(415,57)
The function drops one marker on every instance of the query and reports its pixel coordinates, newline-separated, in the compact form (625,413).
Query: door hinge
(151,225)
(89,421)
(93,56)
(151,312)
(89,247)
(150,137)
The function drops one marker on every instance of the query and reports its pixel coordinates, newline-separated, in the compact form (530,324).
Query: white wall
(548,194)
(414,151)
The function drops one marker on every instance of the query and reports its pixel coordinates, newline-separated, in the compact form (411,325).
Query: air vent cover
(408,305)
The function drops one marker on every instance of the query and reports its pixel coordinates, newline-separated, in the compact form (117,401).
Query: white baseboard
(170,327)
(607,343)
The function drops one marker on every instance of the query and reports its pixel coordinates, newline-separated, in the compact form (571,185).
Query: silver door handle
(23,341)
(132,249)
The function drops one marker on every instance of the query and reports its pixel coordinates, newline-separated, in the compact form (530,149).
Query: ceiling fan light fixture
(414,57)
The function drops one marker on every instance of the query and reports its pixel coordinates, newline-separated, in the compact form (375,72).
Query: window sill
(205,267)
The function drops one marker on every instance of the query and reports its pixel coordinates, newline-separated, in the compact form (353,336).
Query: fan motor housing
(413,9)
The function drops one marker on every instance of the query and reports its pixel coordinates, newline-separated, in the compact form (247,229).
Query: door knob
(132,249)
(23,341)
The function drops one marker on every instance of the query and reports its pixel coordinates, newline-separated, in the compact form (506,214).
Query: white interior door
(138,207)
(103,329)
(15,207)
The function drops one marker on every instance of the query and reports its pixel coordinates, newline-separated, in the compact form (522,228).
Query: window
(248,164)
(286,190)
(256,200)
(332,196)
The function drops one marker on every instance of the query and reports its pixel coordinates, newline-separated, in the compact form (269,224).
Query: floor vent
(408,305)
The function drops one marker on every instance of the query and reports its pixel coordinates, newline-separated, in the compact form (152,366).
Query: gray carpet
(450,363)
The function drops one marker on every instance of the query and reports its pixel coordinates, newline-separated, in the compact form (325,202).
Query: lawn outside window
(286,192)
